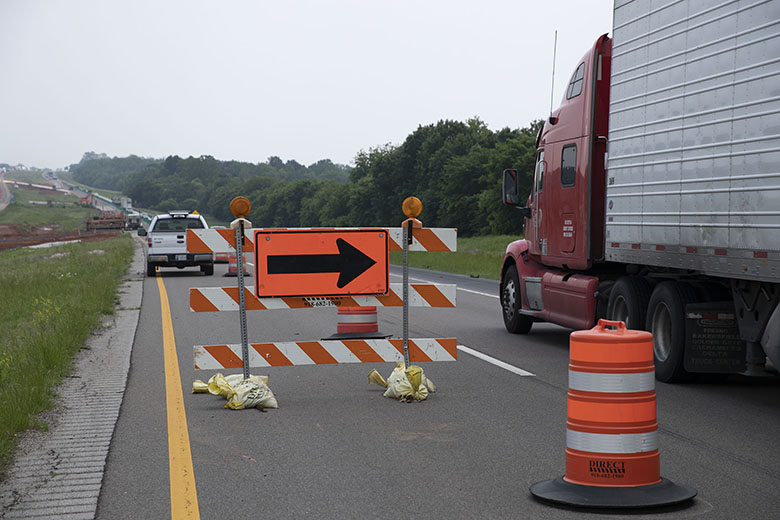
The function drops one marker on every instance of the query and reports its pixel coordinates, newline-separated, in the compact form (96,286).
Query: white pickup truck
(166,244)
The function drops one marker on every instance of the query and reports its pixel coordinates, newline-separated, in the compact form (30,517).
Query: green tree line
(453,167)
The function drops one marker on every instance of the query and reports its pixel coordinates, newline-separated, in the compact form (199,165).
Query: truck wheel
(628,301)
(666,320)
(208,270)
(150,269)
(511,304)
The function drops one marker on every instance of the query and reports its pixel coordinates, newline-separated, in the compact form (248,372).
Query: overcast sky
(248,79)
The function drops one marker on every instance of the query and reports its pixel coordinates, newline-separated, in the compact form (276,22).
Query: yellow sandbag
(251,394)
(408,384)
(414,375)
(241,393)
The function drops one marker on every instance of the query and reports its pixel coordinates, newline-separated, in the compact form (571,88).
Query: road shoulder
(58,473)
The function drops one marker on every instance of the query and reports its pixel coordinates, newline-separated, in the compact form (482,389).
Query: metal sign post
(412,207)
(241,301)
(240,208)
(408,237)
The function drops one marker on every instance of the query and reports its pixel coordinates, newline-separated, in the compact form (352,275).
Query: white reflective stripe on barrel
(611,383)
(612,443)
(357,318)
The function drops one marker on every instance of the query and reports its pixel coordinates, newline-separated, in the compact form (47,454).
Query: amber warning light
(321,262)
(240,207)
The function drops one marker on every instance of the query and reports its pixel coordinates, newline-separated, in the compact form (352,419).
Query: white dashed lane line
(494,361)
(476,353)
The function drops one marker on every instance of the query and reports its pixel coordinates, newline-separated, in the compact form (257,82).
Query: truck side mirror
(141,232)
(510,189)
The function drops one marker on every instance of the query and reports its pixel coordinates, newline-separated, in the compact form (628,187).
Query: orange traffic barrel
(612,457)
(357,323)
(233,266)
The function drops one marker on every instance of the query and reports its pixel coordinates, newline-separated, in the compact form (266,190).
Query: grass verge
(26,215)
(476,256)
(51,300)
(32,177)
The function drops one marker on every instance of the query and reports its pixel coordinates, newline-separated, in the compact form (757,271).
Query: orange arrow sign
(321,262)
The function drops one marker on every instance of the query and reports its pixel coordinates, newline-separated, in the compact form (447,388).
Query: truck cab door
(535,233)
(570,212)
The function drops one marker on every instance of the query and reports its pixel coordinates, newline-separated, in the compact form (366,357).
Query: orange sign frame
(321,262)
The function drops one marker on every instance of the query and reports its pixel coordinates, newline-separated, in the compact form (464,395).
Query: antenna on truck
(552,119)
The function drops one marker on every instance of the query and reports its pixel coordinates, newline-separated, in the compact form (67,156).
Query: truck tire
(666,320)
(150,269)
(628,301)
(208,270)
(511,303)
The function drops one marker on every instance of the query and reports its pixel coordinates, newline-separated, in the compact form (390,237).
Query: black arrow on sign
(350,263)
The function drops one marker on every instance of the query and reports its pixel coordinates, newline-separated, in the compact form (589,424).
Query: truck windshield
(178,224)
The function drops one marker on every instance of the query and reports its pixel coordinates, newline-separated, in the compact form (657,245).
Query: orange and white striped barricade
(216,299)
(324,352)
(220,240)
(327,351)
(612,456)
(351,323)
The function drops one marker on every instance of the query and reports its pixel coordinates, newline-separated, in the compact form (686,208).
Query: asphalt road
(336,448)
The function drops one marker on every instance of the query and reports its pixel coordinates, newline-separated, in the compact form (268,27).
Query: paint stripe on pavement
(494,361)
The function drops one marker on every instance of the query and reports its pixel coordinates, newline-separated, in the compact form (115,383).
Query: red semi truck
(656,190)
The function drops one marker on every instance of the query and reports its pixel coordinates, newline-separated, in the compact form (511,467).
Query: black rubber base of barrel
(359,335)
(664,493)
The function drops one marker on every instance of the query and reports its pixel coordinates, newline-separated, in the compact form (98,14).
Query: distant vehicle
(166,244)
(133,220)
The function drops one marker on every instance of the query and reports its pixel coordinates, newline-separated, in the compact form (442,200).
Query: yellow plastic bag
(376,378)
(405,384)
(240,393)
(199,387)
(218,385)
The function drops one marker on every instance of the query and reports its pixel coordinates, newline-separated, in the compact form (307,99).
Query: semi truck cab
(564,227)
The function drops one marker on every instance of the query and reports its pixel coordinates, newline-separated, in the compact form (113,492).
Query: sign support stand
(408,237)
(412,207)
(240,207)
(241,300)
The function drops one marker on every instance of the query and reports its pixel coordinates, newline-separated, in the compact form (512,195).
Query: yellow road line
(184,497)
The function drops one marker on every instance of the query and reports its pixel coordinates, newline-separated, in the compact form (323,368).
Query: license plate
(181,258)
